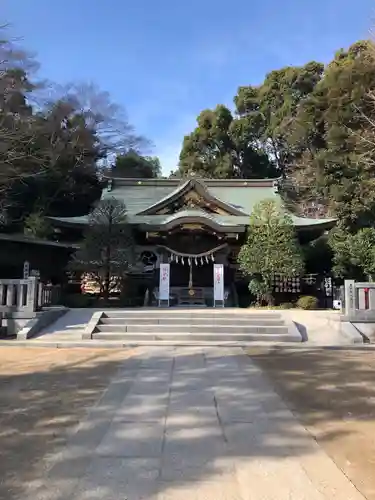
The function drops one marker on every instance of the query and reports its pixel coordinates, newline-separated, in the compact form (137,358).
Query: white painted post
(350,298)
(32,294)
(361,298)
(2,289)
(40,294)
(10,295)
(20,295)
(371,299)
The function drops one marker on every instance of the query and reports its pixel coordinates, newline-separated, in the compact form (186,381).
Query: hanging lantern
(182,260)
(189,260)
(201,261)
(206,259)
(212,257)
(196,262)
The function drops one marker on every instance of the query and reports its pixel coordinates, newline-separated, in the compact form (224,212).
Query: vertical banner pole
(164,281)
(219,284)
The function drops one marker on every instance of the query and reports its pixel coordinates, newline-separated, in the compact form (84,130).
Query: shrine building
(190,224)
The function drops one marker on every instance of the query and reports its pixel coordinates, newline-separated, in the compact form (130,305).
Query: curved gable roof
(199,187)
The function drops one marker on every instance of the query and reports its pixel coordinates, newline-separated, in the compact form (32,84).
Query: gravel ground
(43,395)
(333,395)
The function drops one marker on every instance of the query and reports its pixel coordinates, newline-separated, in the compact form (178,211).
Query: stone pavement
(191,424)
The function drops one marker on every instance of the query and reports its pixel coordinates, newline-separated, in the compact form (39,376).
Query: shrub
(307,302)
(287,305)
(78,300)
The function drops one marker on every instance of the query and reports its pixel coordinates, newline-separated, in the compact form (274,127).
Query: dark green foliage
(354,254)
(221,147)
(78,300)
(133,165)
(271,248)
(318,255)
(287,305)
(332,136)
(38,226)
(51,149)
(266,111)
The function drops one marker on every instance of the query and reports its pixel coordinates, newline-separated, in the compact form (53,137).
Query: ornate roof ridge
(122,181)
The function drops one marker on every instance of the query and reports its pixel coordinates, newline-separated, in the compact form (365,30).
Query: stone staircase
(190,327)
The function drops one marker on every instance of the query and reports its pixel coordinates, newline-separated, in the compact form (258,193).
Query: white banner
(218,282)
(164,282)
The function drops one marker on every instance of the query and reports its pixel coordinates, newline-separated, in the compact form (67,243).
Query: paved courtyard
(194,424)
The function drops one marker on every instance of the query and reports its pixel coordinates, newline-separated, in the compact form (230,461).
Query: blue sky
(166,60)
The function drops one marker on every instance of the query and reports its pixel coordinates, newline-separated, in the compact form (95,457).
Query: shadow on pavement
(167,419)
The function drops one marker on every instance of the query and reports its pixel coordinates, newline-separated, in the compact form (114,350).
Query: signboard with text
(26,270)
(218,283)
(164,282)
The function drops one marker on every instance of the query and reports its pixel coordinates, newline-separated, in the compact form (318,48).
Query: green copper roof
(140,195)
(242,195)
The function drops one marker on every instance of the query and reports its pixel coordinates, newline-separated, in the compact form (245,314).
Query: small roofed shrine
(191,225)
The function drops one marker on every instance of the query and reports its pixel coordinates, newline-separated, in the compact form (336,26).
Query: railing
(48,295)
(18,295)
(359,300)
(27,295)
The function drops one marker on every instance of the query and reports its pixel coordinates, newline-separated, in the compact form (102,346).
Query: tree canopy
(270,249)
(222,147)
(332,136)
(107,250)
(54,140)
(133,165)
(312,125)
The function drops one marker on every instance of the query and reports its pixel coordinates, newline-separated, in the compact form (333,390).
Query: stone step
(225,312)
(112,344)
(198,329)
(177,338)
(173,320)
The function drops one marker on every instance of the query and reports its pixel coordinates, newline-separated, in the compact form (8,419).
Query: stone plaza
(177,423)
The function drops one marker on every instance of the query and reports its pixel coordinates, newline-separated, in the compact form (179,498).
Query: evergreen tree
(270,249)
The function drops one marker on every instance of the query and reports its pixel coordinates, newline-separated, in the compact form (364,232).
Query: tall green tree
(330,133)
(133,165)
(107,250)
(354,254)
(51,152)
(271,248)
(62,172)
(265,111)
(220,148)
